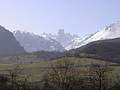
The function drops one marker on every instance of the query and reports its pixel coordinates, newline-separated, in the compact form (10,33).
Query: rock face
(65,39)
(32,42)
(8,44)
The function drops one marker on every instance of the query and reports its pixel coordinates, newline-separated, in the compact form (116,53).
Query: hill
(8,44)
(105,49)
(31,57)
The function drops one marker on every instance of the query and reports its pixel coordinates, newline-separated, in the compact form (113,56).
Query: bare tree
(99,77)
(17,80)
(64,76)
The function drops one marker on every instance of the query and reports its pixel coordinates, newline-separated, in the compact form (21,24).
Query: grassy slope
(36,70)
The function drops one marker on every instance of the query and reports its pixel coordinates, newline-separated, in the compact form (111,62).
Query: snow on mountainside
(63,38)
(32,42)
(109,32)
(73,44)
(76,42)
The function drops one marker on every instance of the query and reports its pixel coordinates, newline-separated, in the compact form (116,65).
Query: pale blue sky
(75,16)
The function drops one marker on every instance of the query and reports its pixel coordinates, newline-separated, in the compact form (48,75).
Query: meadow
(35,71)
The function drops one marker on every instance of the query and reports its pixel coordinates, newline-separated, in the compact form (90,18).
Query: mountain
(76,42)
(63,38)
(73,44)
(8,44)
(109,32)
(32,42)
(105,49)
(51,42)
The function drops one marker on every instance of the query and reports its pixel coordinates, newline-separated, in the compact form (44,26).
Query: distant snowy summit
(64,41)
(77,42)
(32,42)
(44,42)
(109,32)
(62,37)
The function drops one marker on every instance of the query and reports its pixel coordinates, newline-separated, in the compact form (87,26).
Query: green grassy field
(35,71)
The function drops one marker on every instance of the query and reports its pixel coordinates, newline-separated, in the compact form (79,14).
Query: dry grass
(36,70)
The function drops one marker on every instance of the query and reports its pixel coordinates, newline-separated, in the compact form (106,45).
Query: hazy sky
(75,16)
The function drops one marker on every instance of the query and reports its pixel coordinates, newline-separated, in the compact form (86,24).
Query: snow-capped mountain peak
(67,40)
(62,37)
(73,44)
(32,42)
(109,32)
